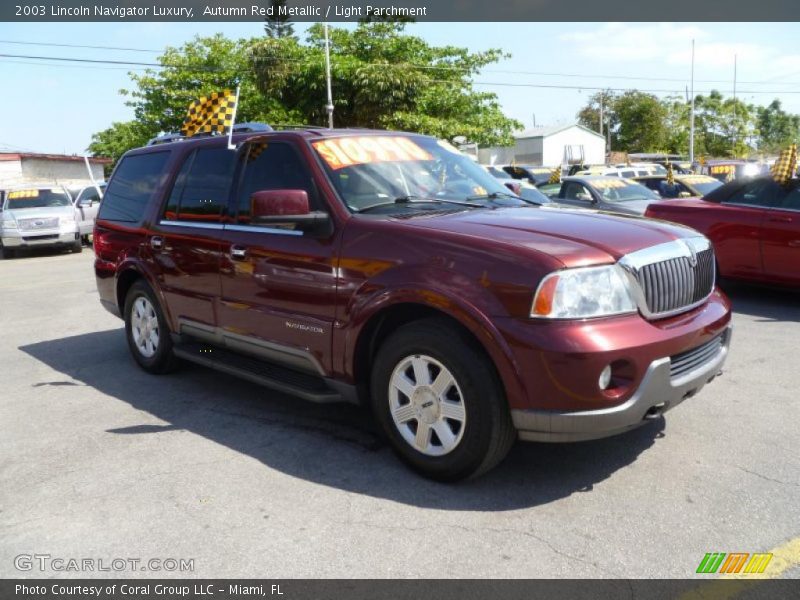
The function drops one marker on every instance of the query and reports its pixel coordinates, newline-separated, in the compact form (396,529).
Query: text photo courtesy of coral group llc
(419,300)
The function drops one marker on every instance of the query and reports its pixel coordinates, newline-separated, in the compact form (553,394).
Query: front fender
(367,306)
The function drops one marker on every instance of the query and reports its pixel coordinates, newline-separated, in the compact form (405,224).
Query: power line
(431,67)
(488,83)
(20,43)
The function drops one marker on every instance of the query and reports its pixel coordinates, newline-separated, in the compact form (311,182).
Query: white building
(550,147)
(20,168)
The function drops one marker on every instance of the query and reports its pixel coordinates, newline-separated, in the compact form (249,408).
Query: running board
(303,385)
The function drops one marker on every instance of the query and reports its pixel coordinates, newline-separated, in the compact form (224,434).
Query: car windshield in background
(622,190)
(702,184)
(36,198)
(388,170)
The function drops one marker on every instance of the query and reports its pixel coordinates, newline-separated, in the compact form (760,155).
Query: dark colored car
(754,225)
(685,186)
(533,175)
(385,268)
(600,192)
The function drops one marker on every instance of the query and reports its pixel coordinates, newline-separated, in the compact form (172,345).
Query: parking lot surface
(101,460)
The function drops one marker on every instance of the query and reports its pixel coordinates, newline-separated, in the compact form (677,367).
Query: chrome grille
(671,277)
(34,223)
(688,361)
(675,283)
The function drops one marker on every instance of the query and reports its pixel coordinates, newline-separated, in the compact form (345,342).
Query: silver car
(87,202)
(38,216)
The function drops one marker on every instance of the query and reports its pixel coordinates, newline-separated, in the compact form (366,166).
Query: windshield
(368,171)
(36,198)
(622,190)
(702,184)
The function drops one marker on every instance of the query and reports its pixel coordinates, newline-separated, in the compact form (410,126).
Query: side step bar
(303,385)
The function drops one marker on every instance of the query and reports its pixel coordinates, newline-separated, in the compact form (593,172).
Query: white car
(38,216)
(87,202)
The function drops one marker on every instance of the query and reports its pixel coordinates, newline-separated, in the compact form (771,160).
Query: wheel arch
(391,315)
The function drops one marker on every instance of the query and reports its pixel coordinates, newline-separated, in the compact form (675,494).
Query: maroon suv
(387,268)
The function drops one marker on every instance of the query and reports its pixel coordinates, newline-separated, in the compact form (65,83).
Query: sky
(51,107)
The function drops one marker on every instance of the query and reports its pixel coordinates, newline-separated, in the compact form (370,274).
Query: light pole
(691,115)
(329,105)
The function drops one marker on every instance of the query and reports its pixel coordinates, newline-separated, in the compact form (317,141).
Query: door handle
(238,252)
(157,242)
(781,219)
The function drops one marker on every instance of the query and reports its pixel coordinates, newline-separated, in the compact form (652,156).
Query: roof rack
(165,139)
(251,127)
(284,127)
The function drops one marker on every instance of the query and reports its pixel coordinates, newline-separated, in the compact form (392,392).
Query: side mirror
(286,207)
(86,203)
(513,186)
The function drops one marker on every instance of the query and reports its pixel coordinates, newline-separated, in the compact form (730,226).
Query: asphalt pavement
(101,461)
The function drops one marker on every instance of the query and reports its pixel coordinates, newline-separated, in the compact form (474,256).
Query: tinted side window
(133,184)
(273,166)
(792,200)
(89,195)
(201,188)
(757,193)
(576,191)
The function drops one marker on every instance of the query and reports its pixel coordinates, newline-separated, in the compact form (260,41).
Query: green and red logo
(736,562)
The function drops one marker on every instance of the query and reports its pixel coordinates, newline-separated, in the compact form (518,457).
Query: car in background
(611,194)
(87,202)
(685,186)
(754,225)
(729,169)
(534,175)
(621,171)
(506,179)
(38,216)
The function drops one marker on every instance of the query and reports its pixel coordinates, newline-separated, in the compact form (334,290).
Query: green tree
(641,122)
(384,78)
(118,139)
(278,26)
(776,128)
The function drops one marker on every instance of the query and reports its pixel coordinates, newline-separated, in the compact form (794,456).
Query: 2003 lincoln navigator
(389,269)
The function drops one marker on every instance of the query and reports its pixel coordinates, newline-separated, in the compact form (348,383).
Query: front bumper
(35,239)
(659,391)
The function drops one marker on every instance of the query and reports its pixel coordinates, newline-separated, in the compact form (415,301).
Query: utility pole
(329,105)
(601,114)
(691,115)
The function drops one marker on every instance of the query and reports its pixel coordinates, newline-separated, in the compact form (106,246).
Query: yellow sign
(20,194)
(348,151)
(610,183)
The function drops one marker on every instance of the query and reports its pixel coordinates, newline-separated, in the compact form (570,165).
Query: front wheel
(8,253)
(77,246)
(147,330)
(440,402)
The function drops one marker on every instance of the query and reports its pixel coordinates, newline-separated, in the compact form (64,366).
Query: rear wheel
(147,330)
(440,402)
(77,246)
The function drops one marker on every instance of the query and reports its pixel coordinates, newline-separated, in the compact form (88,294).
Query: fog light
(605,378)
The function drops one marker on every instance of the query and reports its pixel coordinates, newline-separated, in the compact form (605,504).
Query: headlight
(8,224)
(583,293)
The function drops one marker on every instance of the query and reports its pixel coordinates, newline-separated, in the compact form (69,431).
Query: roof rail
(165,139)
(251,127)
(283,126)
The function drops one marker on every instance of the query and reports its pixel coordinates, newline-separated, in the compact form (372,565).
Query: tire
(480,432)
(143,316)
(77,247)
(8,253)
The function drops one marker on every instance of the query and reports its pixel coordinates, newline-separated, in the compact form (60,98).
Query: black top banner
(416,10)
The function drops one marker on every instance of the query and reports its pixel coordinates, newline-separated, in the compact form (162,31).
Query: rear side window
(202,186)
(133,184)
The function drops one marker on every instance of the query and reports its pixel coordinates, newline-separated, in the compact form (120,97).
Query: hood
(575,237)
(630,207)
(46,211)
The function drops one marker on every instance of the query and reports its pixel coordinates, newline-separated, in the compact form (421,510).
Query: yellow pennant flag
(555,176)
(210,114)
(784,168)
(670,175)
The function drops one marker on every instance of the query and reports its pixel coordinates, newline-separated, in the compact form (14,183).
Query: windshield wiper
(419,200)
(495,196)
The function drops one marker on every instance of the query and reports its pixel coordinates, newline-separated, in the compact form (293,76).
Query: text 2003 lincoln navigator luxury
(388,268)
